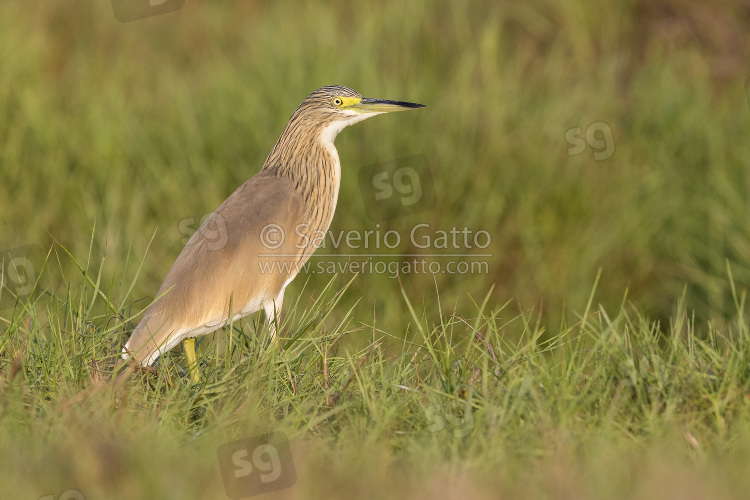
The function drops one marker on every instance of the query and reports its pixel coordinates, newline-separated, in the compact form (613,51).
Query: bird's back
(241,257)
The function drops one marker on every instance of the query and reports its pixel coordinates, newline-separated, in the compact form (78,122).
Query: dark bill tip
(401,104)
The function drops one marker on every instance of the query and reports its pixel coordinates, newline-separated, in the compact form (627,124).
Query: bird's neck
(310,161)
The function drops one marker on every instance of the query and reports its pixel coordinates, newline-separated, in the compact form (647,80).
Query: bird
(245,254)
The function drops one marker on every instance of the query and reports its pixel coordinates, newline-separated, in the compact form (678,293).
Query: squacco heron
(246,252)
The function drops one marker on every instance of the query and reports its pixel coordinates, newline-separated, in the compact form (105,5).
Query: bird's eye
(337,101)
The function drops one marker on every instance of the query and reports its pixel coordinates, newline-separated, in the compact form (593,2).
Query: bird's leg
(273,310)
(272,327)
(189,346)
(272,322)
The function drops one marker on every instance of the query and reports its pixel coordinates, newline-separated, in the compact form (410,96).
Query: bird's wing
(240,258)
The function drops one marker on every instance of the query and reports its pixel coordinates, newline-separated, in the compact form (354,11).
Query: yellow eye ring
(337,101)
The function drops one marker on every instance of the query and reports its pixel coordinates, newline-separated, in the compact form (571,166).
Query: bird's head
(335,107)
(344,103)
(321,116)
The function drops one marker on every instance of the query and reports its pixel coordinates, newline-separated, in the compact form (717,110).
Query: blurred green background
(138,126)
(144,127)
(128,131)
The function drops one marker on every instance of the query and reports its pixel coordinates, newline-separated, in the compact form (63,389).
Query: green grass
(611,406)
(604,353)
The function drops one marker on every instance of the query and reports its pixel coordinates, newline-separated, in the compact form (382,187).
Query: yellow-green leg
(189,346)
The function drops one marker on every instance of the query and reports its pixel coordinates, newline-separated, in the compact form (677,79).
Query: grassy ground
(598,347)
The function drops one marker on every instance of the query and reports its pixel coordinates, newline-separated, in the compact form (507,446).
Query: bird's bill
(368,105)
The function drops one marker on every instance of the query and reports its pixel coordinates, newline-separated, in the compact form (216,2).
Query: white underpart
(327,136)
(272,308)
